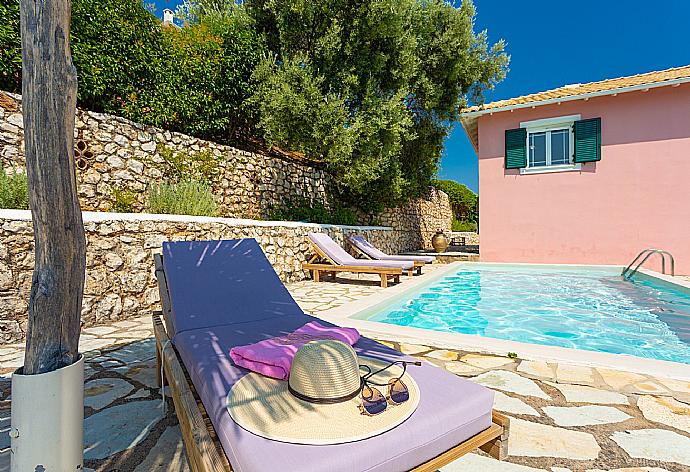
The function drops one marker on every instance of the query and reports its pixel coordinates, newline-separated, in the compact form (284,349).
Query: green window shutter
(588,140)
(516,148)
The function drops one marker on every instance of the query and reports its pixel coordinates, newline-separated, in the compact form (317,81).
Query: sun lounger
(329,257)
(219,294)
(369,251)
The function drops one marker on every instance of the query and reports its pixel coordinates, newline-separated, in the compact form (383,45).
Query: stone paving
(315,297)
(564,417)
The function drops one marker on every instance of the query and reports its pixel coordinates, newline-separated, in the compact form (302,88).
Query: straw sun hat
(320,403)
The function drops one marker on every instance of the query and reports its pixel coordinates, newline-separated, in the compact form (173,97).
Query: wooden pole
(49,89)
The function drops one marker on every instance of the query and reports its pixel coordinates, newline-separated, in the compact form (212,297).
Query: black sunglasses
(373,401)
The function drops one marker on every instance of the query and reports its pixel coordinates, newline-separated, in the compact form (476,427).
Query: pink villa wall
(637,196)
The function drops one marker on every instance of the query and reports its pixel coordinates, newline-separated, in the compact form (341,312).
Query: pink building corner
(636,196)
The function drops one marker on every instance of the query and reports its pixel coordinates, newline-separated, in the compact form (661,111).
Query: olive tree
(370,87)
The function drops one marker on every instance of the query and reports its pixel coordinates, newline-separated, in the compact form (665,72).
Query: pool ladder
(629,271)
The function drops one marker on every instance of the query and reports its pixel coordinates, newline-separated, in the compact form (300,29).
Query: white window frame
(551,124)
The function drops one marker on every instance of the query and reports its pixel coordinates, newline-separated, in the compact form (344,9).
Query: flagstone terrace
(564,417)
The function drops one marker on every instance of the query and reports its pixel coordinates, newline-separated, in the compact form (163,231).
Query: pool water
(595,310)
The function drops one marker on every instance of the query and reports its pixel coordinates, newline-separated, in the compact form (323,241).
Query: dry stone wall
(113,154)
(120,280)
(116,155)
(471,238)
(417,221)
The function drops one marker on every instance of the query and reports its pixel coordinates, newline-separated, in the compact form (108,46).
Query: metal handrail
(628,272)
(646,251)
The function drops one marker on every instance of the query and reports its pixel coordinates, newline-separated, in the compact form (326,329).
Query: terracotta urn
(439,241)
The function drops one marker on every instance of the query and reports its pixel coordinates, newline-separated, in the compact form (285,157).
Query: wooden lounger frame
(204,450)
(320,262)
(417,264)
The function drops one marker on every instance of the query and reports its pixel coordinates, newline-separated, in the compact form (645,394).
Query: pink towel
(273,357)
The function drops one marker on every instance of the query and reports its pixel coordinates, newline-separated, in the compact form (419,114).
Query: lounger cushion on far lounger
(372,251)
(340,256)
(450,411)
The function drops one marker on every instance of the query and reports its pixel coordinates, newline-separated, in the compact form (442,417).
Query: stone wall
(120,279)
(419,219)
(114,154)
(471,238)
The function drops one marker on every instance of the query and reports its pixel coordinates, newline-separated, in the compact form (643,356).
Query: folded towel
(273,357)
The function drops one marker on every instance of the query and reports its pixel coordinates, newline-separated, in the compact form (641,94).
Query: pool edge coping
(346,315)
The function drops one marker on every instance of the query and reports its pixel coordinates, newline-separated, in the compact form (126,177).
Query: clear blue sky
(556,43)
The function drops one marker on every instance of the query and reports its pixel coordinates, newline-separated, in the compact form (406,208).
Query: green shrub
(125,201)
(10,51)
(193,80)
(343,216)
(313,212)
(206,79)
(188,197)
(464,226)
(117,49)
(186,187)
(14,191)
(178,166)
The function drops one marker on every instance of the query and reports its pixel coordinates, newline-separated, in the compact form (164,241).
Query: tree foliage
(194,79)
(371,87)
(463,201)
(10,47)
(206,78)
(117,48)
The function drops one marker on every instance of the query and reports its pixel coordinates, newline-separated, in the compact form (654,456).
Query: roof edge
(569,98)
(469,126)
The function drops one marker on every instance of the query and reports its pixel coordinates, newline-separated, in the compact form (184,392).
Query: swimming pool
(591,309)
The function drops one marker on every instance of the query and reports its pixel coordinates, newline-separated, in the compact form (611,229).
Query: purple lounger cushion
(340,256)
(450,411)
(372,251)
(212,276)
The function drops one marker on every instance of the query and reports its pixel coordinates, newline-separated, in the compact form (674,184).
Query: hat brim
(265,407)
